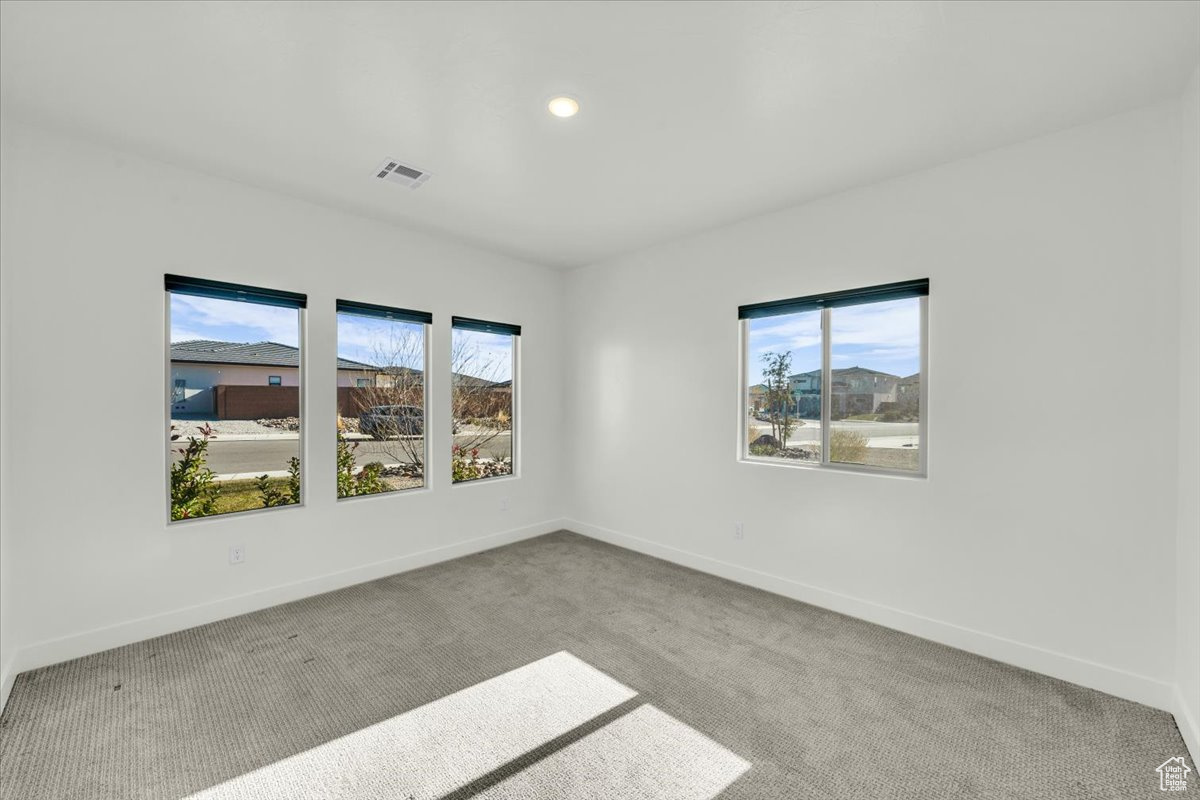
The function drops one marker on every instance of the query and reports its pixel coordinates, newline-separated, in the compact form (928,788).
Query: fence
(256,402)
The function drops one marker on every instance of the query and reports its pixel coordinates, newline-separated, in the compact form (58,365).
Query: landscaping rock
(766,440)
(284,424)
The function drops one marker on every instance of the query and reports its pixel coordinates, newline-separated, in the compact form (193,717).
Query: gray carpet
(820,705)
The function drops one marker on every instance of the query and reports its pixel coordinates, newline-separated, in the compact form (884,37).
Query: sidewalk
(246,476)
(251,437)
(277,473)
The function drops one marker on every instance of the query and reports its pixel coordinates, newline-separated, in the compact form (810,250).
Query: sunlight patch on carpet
(441,746)
(646,754)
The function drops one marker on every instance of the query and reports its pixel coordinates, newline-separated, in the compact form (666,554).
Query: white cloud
(895,324)
(381,342)
(262,322)
(185,335)
(883,336)
(793,331)
(484,355)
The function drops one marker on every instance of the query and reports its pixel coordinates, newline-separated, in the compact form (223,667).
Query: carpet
(563,667)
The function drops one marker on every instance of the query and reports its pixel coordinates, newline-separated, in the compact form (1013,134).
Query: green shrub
(464,466)
(193,491)
(286,495)
(351,481)
(467,466)
(370,479)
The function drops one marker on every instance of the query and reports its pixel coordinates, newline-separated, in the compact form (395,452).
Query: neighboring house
(908,392)
(758,397)
(199,366)
(806,392)
(479,397)
(856,390)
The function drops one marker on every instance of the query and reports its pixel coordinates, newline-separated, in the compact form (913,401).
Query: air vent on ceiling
(395,172)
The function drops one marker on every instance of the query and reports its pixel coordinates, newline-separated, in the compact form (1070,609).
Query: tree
(481,401)
(480,397)
(778,395)
(399,381)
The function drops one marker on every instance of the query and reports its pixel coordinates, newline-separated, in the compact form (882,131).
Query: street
(271,455)
(879,434)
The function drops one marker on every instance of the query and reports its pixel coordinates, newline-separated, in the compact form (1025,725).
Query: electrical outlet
(237,554)
(504,504)
(738,531)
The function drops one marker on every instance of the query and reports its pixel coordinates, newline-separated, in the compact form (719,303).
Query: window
(483,370)
(233,443)
(838,379)
(381,354)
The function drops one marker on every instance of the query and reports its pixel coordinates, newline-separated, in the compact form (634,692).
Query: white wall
(1045,532)
(1188,560)
(88,234)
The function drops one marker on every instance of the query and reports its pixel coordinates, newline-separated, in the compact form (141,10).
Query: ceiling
(693,114)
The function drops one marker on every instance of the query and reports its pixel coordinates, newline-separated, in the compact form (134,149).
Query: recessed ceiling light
(564,106)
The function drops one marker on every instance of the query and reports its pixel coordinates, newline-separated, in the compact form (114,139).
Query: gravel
(224,427)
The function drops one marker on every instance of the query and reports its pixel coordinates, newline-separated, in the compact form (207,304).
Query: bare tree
(481,398)
(397,381)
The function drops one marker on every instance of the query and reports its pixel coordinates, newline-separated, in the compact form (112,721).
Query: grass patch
(243,495)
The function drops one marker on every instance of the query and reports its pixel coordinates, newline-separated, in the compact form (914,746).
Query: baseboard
(8,674)
(1128,685)
(53,651)
(1189,726)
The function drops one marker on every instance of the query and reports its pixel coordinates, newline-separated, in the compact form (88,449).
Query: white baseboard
(53,651)
(1128,685)
(1189,726)
(8,674)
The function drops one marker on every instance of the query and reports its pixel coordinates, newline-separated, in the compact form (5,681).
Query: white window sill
(849,469)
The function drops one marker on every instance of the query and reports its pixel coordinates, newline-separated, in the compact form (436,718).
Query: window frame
(233,291)
(744,401)
(515,454)
(274,380)
(402,315)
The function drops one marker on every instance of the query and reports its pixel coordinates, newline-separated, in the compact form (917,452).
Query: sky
(232,321)
(484,355)
(366,339)
(386,342)
(382,342)
(879,336)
